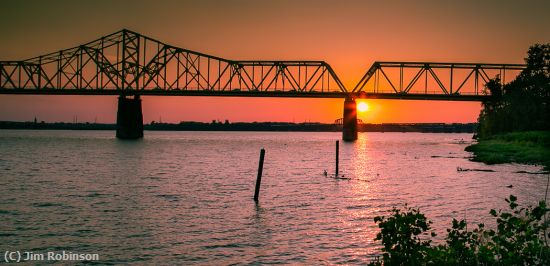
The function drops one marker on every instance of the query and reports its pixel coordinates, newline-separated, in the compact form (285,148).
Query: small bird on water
(325,172)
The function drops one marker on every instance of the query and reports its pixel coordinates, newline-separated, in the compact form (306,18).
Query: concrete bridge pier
(349,121)
(129,120)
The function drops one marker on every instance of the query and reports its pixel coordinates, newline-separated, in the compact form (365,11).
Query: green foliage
(400,234)
(519,239)
(524,103)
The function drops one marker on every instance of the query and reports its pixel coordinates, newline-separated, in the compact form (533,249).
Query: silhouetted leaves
(519,239)
(401,236)
(524,103)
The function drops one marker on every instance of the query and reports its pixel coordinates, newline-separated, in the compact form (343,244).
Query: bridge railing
(128,62)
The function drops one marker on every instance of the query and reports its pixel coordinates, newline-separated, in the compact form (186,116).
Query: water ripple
(186,197)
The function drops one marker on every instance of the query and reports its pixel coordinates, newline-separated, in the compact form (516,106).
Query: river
(186,197)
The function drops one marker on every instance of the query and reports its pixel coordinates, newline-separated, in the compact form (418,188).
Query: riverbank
(532,147)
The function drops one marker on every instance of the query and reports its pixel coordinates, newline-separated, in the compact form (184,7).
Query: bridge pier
(349,121)
(129,120)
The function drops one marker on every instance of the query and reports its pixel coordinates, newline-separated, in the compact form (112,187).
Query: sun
(362,107)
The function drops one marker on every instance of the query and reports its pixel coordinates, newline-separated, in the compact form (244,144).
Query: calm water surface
(187,196)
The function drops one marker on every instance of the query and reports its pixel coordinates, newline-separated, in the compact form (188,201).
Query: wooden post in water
(259,178)
(337,151)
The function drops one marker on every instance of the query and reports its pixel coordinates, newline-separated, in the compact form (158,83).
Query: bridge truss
(128,63)
(424,80)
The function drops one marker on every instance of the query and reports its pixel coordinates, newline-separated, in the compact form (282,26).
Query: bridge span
(130,65)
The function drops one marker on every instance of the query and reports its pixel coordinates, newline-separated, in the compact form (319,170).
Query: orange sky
(349,35)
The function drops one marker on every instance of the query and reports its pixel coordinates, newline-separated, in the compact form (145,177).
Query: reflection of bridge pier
(129,119)
(349,120)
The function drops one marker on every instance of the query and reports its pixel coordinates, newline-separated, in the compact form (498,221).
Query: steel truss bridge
(128,63)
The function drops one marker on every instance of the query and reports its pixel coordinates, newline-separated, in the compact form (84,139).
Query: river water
(186,197)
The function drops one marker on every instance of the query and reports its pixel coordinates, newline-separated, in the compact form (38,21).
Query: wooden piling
(259,178)
(337,152)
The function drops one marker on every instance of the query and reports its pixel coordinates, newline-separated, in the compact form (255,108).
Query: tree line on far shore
(524,103)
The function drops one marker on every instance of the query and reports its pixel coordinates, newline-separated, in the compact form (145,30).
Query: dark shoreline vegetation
(254,126)
(514,124)
(520,238)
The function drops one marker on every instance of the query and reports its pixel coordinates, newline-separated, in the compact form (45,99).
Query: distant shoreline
(252,126)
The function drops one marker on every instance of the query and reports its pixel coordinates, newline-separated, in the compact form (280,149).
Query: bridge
(130,65)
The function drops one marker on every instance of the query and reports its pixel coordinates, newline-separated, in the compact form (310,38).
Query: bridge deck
(287,94)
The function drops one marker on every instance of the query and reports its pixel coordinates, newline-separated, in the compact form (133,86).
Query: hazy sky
(350,35)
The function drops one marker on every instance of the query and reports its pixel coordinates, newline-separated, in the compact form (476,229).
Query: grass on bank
(531,147)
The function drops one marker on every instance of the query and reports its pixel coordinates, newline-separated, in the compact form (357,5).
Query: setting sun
(362,107)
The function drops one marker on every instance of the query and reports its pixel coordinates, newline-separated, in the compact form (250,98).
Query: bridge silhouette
(130,65)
